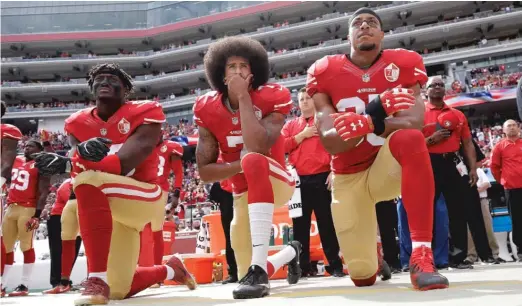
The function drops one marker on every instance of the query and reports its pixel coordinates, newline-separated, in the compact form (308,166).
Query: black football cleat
(254,285)
(423,274)
(294,270)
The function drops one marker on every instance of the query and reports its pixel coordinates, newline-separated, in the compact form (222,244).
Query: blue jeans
(440,241)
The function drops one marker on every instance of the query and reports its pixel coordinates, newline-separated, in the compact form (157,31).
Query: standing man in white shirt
(482,185)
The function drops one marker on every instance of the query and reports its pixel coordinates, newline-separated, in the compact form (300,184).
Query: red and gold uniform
(166,165)
(7,132)
(211,114)
(134,199)
(21,205)
(371,171)
(10,132)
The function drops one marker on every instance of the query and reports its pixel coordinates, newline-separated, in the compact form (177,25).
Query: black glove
(94,149)
(51,163)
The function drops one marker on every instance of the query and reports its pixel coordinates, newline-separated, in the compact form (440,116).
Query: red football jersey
(165,150)
(62,196)
(350,88)
(11,132)
(212,114)
(86,124)
(24,183)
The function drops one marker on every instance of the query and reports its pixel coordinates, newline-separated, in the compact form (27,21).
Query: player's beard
(367,47)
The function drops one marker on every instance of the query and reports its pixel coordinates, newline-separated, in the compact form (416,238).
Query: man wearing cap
(369,113)
(445,129)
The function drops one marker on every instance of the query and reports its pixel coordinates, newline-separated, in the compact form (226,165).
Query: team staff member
(221,193)
(312,163)
(506,167)
(54,227)
(445,128)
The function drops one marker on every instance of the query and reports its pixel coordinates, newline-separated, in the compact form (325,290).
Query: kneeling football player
(242,119)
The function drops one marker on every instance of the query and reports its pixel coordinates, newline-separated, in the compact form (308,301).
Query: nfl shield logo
(124,126)
(391,72)
(163,149)
(103,131)
(235,120)
(366,78)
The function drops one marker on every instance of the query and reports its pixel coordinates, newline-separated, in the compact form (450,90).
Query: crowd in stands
(493,77)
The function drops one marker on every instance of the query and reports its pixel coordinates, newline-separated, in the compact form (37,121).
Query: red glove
(352,125)
(32,224)
(109,164)
(395,100)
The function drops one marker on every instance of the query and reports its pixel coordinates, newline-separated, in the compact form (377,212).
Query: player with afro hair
(219,52)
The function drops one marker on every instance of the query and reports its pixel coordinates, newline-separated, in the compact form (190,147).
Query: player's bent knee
(88,178)
(254,164)
(406,142)
(362,271)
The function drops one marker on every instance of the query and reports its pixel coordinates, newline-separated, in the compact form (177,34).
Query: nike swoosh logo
(256,245)
(55,159)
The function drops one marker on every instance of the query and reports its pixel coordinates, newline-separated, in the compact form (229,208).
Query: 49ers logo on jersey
(124,126)
(391,72)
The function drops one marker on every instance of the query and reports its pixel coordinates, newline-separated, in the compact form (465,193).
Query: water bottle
(286,236)
(272,238)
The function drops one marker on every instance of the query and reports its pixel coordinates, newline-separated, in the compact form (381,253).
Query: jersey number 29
(19,179)
(357,105)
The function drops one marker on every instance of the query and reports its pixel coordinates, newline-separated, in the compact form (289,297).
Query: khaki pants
(353,210)
(492,240)
(133,204)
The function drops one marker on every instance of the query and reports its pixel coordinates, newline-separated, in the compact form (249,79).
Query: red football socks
(158,247)
(144,277)
(95,218)
(29,256)
(418,188)
(3,258)
(68,255)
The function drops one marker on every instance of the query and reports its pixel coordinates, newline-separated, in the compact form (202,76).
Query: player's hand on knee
(32,224)
(395,100)
(94,149)
(352,125)
(51,163)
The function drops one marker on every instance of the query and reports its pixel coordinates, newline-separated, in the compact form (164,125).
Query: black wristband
(375,110)
(177,192)
(37,213)
(46,143)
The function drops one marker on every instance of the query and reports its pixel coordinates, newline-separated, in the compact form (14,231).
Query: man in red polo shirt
(312,164)
(506,167)
(445,129)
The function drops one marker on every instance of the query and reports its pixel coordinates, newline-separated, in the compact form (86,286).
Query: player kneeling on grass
(376,157)
(242,120)
(115,183)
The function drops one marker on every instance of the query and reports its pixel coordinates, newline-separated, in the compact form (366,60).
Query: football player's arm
(177,167)
(8,157)
(259,135)
(44,182)
(331,141)
(207,152)
(496,163)
(73,142)
(412,118)
(138,147)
